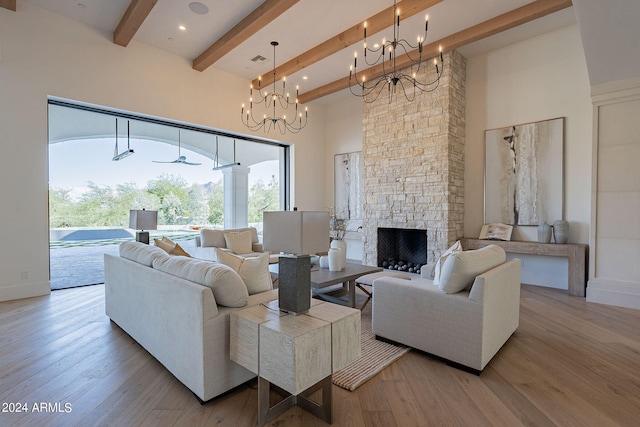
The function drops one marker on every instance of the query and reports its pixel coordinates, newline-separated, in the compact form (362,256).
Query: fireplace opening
(402,249)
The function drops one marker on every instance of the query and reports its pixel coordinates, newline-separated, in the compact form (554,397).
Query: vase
(342,245)
(561,231)
(335,259)
(324,261)
(544,232)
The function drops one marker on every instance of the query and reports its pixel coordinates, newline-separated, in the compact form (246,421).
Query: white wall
(46,55)
(541,78)
(344,135)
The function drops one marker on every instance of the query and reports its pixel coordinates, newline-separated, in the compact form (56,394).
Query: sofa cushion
(140,252)
(212,238)
(238,241)
(461,268)
(253,270)
(437,268)
(228,288)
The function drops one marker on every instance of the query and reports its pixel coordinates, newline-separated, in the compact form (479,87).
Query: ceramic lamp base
(142,237)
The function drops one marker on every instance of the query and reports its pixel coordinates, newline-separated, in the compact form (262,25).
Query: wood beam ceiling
(8,4)
(506,21)
(251,24)
(375,23)
(131,21)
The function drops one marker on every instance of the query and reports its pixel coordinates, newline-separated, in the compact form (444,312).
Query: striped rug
(375,356)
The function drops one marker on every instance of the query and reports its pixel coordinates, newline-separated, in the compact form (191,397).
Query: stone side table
(295,354)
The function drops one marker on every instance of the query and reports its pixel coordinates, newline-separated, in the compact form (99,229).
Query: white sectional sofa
(465,316)
(178,309)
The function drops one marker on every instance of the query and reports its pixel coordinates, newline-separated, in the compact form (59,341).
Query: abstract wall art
(524,173)
(348,186)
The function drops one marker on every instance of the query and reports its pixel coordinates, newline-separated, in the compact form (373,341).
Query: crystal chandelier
(270,101)
(406,78)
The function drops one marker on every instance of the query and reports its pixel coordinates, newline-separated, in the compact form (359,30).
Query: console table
(575,252)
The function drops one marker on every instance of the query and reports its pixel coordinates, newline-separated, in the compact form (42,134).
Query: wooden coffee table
(323,278)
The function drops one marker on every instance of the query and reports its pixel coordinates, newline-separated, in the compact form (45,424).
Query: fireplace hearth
(402,249)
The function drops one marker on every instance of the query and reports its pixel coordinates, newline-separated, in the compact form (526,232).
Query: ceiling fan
(119,156)
(181,159)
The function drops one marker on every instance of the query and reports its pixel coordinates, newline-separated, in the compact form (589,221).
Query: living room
(547,76)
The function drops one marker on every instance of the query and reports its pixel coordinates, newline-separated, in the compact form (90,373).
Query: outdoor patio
(81,262)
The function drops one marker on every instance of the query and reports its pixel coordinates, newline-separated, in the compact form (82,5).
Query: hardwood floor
(570,363)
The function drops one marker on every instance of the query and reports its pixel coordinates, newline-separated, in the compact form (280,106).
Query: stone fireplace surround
(413,163)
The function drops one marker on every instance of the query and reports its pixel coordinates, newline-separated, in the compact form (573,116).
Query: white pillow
(455,248)
(228,288)
(254,271)
(238,241)
(461,268)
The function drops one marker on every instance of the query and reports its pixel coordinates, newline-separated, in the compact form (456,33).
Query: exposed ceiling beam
(375,23)
(131,21)
(8,4)
(251,24)
(506,21)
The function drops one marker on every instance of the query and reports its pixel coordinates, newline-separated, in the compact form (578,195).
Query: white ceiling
(303,26)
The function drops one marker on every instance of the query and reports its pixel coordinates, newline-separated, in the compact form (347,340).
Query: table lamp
(296,235)
(143,220)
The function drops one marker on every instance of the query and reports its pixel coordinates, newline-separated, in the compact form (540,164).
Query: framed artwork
(348,186)
(523,173)
(496,231)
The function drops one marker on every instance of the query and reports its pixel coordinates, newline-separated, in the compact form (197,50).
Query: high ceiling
(305,29)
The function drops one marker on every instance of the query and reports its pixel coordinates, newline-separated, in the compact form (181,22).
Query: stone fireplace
(413,163)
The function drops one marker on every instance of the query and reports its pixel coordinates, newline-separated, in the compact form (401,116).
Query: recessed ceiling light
(199,8)
(182,28)
(305,77)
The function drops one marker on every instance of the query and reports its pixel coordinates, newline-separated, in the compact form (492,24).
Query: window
(176,169)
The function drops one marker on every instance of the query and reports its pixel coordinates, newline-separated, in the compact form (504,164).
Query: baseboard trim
(29,290)
(614,292)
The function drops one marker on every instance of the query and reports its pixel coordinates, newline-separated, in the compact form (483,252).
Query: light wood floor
(570,363)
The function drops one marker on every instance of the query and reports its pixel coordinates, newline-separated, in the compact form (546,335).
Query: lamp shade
(296,232)
(143,219)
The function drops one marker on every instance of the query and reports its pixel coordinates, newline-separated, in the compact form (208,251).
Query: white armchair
(467,327)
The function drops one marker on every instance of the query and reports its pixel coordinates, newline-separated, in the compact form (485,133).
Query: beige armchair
(466,327)
(210,239)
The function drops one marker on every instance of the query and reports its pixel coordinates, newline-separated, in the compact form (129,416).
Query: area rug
(375,356)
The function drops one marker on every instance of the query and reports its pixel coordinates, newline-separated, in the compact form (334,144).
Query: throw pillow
(164,245)
(437,268)
(238,241)
(461,268)
(254,271)
(171,247)
(177,250)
